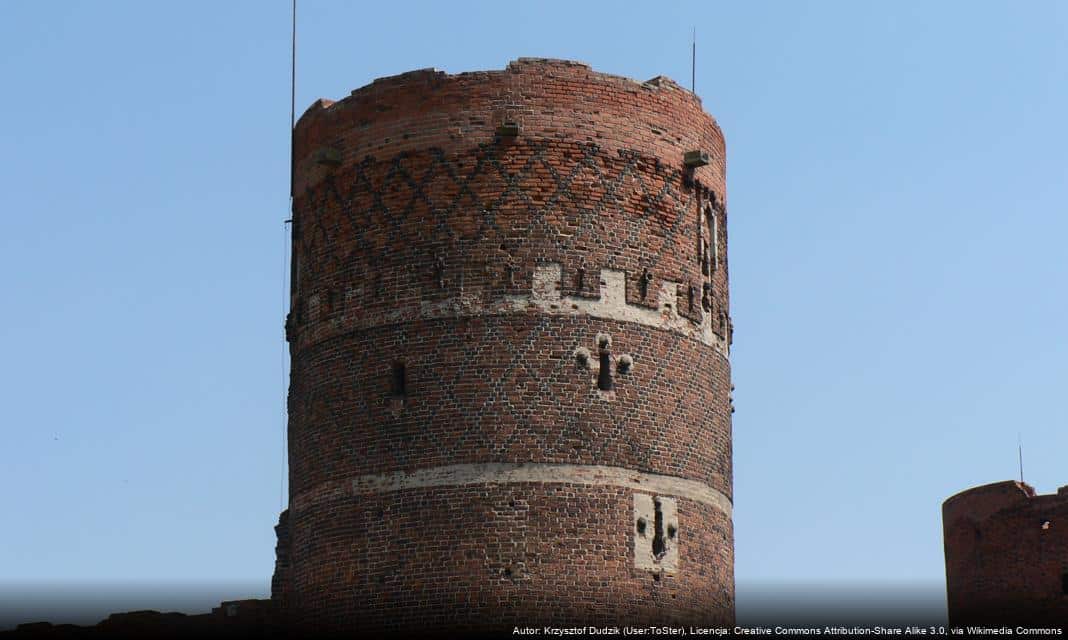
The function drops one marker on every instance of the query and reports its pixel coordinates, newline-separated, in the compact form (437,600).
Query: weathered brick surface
(281,582)
(508,389)
(480,557)
(1007,555)
(423,238)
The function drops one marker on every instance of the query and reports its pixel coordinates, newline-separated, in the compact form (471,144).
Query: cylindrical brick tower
(510,394)
(1007,555)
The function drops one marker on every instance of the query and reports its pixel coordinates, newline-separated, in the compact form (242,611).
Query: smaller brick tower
(1007,555)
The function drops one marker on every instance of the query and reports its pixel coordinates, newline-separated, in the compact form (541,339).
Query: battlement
(432,78)
(531,99)
(983,502)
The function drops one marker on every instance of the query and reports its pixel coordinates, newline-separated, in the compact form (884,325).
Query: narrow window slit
(604,376)
(714,224)
(400,381)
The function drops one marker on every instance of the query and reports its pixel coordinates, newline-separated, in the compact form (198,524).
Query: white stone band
(545,297)
(512,473)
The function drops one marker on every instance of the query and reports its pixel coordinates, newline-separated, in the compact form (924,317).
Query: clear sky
(897,181)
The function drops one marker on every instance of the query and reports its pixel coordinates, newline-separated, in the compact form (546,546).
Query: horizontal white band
(512,473)
(545,297)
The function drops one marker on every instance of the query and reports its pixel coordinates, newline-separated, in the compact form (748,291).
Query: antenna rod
(693,62)
(292,179)
(292,97)
(1019,444)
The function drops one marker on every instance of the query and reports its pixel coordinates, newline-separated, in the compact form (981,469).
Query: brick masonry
(1007,555)
(510,330)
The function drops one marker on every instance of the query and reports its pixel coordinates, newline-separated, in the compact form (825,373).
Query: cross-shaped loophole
(623,363)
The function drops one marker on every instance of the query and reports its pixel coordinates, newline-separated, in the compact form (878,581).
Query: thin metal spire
(285,246)
(292,95)
(693,61)
(1019,446)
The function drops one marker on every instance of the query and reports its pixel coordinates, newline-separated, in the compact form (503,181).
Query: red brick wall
(1006,555)
(281,582)
(502,555)
(414,223)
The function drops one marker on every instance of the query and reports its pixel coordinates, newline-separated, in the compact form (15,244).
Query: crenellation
(545,296)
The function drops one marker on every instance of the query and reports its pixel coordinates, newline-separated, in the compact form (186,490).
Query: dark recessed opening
(1064,583)
(641,526)
(604,376)
(508,572)
(399,387)
(671,532)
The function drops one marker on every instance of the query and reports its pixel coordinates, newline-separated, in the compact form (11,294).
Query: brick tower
(510,393)
(1007,555)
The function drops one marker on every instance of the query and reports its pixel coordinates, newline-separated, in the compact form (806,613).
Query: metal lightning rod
(693,62)
(292,178)
(1019,445)
(292,97)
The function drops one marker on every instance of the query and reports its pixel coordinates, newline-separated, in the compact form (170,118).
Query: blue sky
(897,182)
